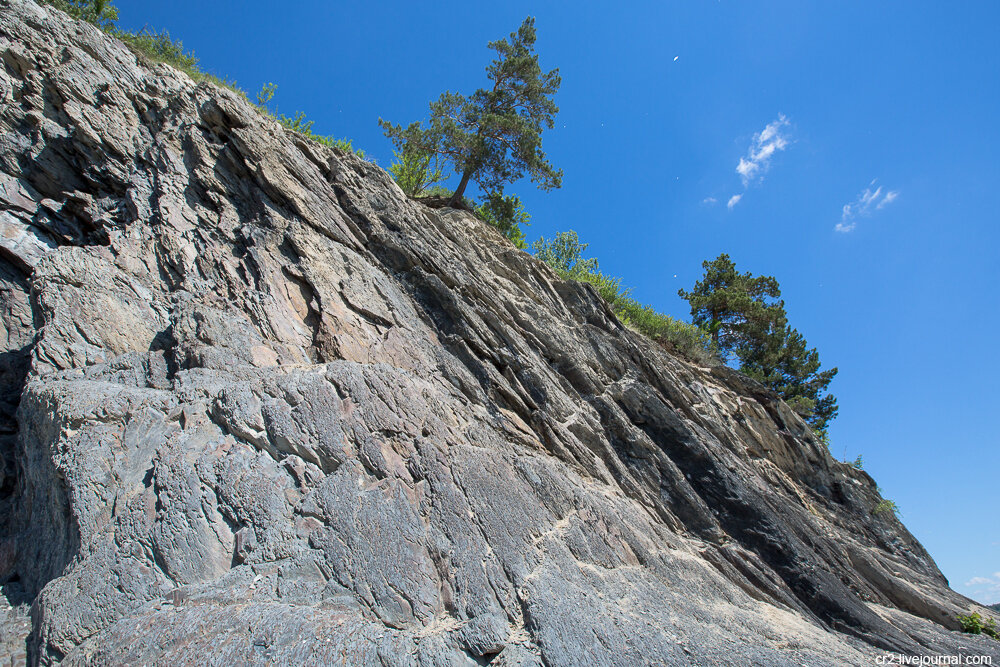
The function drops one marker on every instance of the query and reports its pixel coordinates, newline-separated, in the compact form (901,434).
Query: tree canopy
(493,137)
(734,308)
(747,321)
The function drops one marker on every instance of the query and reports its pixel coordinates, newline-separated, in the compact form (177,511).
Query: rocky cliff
(260,408)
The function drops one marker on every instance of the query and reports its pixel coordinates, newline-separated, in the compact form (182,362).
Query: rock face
(257,407)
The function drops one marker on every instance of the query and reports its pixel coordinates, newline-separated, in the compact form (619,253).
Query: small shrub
(858,463)
(414,170)
(436,191)
(506,214)
(265,95)
(886,505)
(972,624)
(564,254)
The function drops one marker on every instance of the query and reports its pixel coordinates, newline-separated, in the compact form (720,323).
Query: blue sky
(669,110)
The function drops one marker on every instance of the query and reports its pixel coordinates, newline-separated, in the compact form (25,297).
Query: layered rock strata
(257,407)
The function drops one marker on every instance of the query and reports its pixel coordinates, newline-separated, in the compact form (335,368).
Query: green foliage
(564,254)
(975,624)
(734,308)
(299,123)
(437,191)
(493,137)
(506,214)
(886,505)
(99,12)
(265,95)
(858,463)
(160,47)
(823,437)
(415,171)
(746,319)
(972,624)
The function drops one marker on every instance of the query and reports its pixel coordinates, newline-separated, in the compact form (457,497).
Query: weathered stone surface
(259,408)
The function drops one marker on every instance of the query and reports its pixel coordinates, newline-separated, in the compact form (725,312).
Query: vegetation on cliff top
(493,137)
(564,254)
(748,324)
(160,47)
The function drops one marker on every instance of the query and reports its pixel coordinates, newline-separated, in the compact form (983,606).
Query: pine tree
(493,137)
(734,308)
(783,361)
(749,326)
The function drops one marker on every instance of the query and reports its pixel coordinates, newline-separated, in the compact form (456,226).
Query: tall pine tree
(494,136)
(734,308)
(748,323)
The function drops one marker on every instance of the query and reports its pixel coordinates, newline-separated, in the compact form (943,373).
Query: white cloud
(888,199)
(866,202)
(733,201)
(709,200)
(765,144)
(985,589)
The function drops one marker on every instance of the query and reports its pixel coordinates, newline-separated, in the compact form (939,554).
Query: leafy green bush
(858,463)
(972,624)
(506,214)
(975,625)
(414,170)
(564,254)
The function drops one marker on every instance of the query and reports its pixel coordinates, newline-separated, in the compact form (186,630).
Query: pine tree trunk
(457,197)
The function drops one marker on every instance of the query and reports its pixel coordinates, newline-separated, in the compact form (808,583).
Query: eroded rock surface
(257,407)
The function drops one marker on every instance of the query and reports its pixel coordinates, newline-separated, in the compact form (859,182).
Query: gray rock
(258,407)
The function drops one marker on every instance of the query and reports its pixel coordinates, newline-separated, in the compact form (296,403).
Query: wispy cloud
(985,588)
(765,144)
(871,199)
(733,201)
(709,201)
(888,199)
